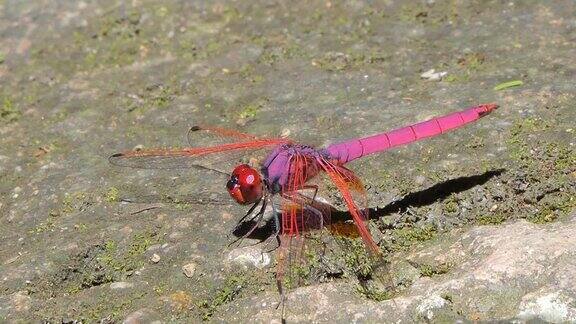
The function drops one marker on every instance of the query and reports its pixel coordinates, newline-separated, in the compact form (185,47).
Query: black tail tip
(195,128)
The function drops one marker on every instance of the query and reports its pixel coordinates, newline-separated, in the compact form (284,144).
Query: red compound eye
(245,184)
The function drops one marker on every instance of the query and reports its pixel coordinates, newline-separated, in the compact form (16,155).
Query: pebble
(285,133)
(420,180)
(189,269)
(432,75)
(121,285)
(144,315)
(153,247)
(249,256)
(21,301)
(155,258)
(493,208)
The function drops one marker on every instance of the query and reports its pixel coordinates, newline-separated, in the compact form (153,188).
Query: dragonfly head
(245,185)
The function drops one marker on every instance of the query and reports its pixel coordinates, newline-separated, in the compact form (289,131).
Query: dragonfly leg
(259,216)
(277,228)
(278,242)
(248,213)
(315,187)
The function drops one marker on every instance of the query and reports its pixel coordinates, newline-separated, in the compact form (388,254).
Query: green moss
(476,143)
(81,227)
(122,261)
(46,226)
(108,308)
(545,216)
(406,237)
(252,109)
(472,61)
(160,289)
(141,242)
(491,219)
(546,166)
(112,195)
(564,157)
(428,270)
(356,257)
(8,111)
(518,144)
(274,53)
(553,206)
(75,202)
(249,111)
(230,290)
(373,293)
(302,269)
(451,205)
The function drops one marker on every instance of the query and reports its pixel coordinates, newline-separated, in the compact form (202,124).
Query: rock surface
(517,271)
(478,223)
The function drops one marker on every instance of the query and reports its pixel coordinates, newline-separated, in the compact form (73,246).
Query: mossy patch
(97,265)
(431,270)
(491,218)
(250,111)
(112,195)
(225,294)
(406,237)
(8,111)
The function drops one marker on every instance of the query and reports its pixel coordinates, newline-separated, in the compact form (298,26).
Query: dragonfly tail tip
(485,109)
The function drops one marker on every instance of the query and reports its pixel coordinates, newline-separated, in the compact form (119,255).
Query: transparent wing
(354,195)
(299,214)
(210,148)
(210,136)
(189,199)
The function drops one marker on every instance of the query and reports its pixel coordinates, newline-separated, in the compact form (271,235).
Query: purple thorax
(277,167)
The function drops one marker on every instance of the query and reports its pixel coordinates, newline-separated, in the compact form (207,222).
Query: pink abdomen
(352,149)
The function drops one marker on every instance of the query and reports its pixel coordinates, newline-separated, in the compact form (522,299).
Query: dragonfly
(284,177)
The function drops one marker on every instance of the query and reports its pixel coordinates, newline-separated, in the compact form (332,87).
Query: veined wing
(354,195)
(299,214)
(211,148)
(200,135)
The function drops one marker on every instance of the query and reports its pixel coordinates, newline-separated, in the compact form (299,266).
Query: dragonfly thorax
(245,185)
(290,161)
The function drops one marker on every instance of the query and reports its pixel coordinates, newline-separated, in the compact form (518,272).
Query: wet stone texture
(478,224)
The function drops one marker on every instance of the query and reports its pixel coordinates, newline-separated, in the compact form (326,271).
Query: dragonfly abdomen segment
(349,150)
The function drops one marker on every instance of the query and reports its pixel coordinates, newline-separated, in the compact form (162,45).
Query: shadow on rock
(437,192)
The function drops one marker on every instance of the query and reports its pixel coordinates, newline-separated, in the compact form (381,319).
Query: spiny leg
(315,187)
(259,216)
(278,228)
(247,214)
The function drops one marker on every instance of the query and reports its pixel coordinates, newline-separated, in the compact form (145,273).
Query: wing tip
(195,128)
(113,159)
